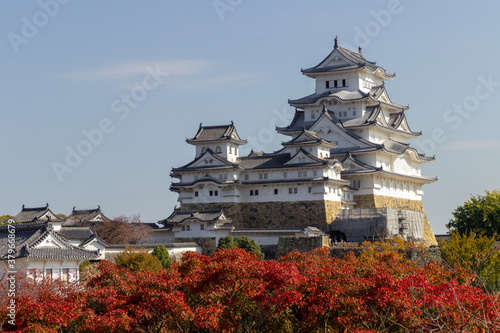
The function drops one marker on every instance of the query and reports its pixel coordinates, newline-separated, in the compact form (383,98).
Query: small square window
(309,189)
(354,113)
(295,190)
(335,83)
(344,83)
(188,227)
(256,192)
(196,194)
(251,192)
(315,173)
(275,191)
(211,193)
(285,175)
(327,84)
(246,177)
(290,190)
(216,193)
(202,227)
(183,228)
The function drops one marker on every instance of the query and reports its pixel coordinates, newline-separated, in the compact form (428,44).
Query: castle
(347,150)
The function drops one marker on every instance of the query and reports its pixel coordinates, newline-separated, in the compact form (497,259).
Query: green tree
(476,253)
(226,243)
(138,260)
(245,243)
(480,214)
(161,253)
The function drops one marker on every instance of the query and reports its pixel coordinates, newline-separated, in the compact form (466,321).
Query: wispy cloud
(133,70)
(183,75)
(471,145)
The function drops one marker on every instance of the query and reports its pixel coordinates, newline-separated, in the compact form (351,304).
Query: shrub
(138,260)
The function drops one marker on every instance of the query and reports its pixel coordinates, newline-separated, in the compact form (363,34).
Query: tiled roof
(297,124)
(203,216)
(86,215)
(94,238)
(355,59)
(370,119)
(207,178)
(208,134)
(343,95)
(29,236)
(395,146)
(270,161)
(308,138)
(33,214)
(75,233)
(71,252)
(225,163)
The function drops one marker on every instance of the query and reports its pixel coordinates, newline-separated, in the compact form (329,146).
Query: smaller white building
(186,225)
(40,252)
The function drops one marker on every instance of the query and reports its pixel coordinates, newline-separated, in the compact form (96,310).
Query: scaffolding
(362,224)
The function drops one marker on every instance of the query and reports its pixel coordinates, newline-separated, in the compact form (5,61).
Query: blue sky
(67,68)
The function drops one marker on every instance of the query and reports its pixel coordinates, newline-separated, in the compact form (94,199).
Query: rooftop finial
(98,206)
(23,206)
(359,49)
(336,41)
(47,205)
(74,208)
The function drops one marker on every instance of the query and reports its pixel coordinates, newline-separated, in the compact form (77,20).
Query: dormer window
(218,149)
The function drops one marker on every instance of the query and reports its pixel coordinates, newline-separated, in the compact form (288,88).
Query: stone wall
(208,245)
(380,201)
(293,214)
(301,244)
(417,256)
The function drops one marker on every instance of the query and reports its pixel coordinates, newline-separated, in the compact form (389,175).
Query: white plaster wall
(351,78)
(260,239)
(162,236)
(402,165)
(23,265)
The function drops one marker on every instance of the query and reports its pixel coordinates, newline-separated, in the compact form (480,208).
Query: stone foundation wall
(380,201)
(293,214)
(302,244)
(208,245)
(416,256)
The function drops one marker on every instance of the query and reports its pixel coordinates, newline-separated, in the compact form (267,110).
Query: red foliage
(234,291)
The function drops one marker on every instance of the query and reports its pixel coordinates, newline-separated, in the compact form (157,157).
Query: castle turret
(222,140)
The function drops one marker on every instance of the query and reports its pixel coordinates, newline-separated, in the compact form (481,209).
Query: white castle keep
(347,150)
